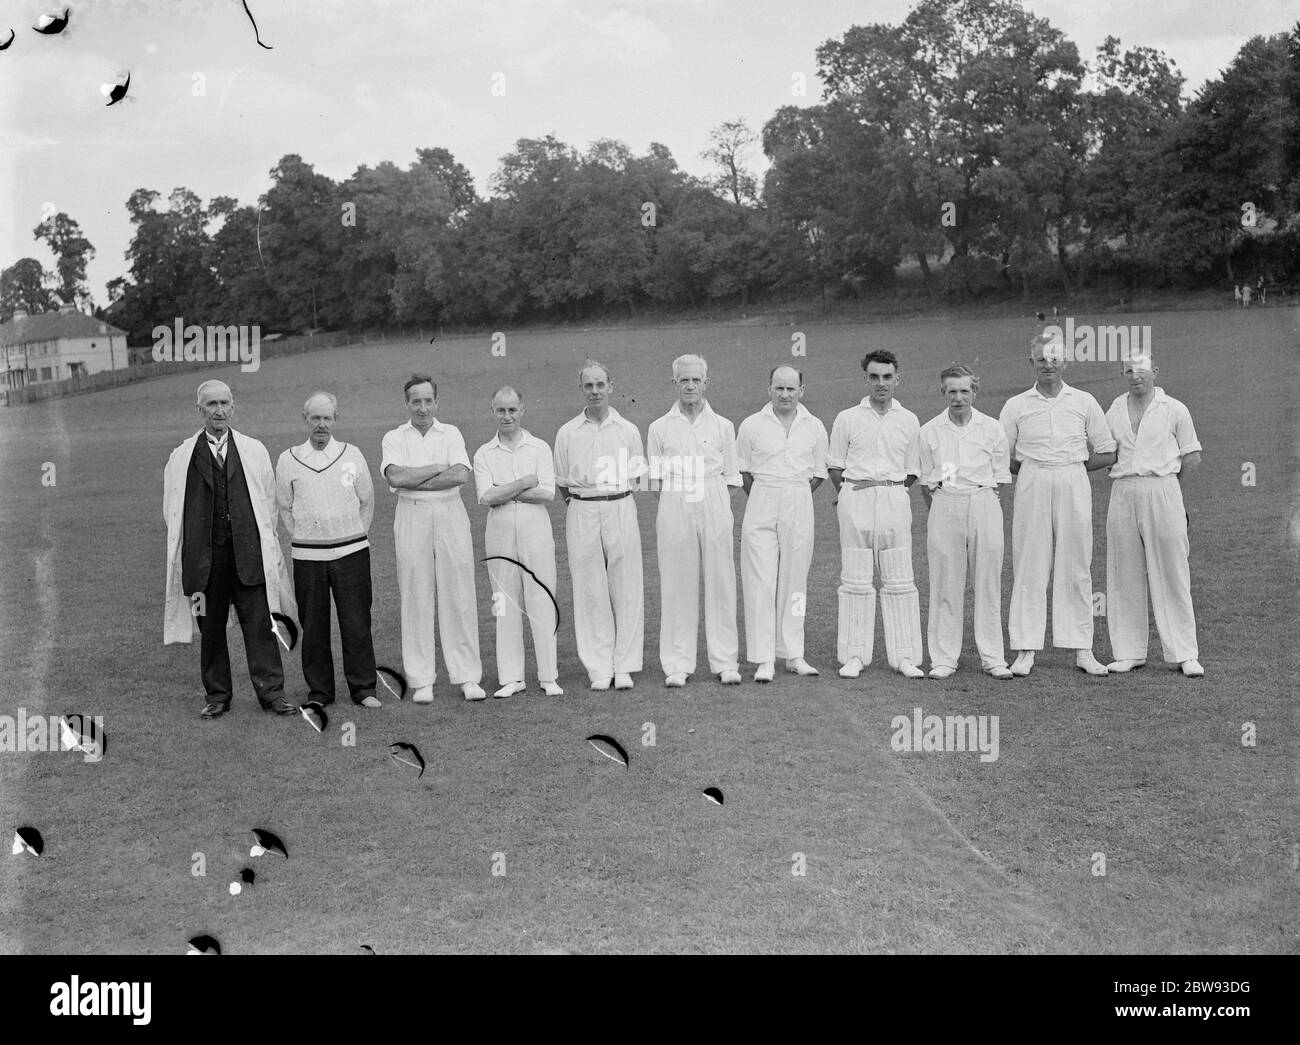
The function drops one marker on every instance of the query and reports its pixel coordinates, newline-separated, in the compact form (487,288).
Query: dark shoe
(214,710)
(280,706)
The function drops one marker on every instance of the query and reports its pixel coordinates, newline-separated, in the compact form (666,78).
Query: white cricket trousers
(690,534)
(522,531)
(1051,502)
(875,517)
(604,542)
(964,533)
(435,582)
(776,546)
(1146,546)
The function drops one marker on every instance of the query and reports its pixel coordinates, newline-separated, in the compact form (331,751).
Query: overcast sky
(352,82)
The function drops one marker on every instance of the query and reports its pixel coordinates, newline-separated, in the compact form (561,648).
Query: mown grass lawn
(903,852)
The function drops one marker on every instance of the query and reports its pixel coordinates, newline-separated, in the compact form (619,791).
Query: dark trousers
(349,579)
(264,667)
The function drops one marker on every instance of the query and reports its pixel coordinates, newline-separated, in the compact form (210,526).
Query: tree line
(970,144)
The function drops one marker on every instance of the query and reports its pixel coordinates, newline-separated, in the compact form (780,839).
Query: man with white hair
(781,453)
(515,478)
(223,555)
(1146,524)
(1056,435)
(327,500)
(872,462)
(595,456)
(692,451)
(425,464)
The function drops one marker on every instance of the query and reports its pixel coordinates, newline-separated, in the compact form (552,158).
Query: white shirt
(1055,431)
(675,441)
(868,446)
(1164,435)
(766,451)
(497,463)
(319,459)
(963,458)
(405,446)
(594,460)
(218,446)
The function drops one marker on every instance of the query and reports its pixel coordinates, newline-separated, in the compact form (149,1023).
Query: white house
(57,345)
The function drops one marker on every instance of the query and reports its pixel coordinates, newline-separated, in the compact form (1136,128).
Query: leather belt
(876,482)
(603,497)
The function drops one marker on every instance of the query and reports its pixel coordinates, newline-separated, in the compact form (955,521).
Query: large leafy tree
(25,285)
(71,251)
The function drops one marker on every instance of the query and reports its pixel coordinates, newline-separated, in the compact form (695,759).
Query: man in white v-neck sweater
(326,500)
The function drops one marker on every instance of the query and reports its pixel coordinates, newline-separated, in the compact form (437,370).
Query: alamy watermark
(946,733)
(35,733)
(1088,343)
(673,473)
(211,344)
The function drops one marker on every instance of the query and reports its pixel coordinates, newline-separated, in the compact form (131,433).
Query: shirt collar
(525,438)
(1065,390)
(894,404)
(676,411)
(612,417)
(948,422)
(800,412)
(331,450)
(437,426)
(217,442)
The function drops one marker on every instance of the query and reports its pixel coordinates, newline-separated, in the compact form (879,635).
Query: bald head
(785,389)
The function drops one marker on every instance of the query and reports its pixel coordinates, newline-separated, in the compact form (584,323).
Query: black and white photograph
(613,477)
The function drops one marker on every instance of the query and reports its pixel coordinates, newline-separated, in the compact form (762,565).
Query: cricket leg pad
(900,606)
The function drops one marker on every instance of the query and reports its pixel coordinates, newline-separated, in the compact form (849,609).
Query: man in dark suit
(219,502)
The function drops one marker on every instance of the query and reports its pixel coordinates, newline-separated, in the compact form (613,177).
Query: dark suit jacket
(196,529)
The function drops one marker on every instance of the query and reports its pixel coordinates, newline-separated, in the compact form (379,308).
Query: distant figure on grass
(595,454)
(1236,293)
(964,464)
(781,452)
(223,555)
(695,453)
(1049,431)
(1263,291)
(327,500)
(515,477)
(1146,524)
(872,449)
(425,464)
(1245,295)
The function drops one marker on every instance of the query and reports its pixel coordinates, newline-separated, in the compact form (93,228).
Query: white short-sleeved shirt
(868,446)
(1165,434)
(963,458)
(674,439)
(1055,431)
(405,446)
(766,451)
(497,463)
(595,460)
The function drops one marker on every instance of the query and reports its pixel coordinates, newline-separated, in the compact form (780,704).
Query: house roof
(53,326)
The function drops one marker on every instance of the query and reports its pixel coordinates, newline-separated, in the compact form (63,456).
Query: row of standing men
(1049,437)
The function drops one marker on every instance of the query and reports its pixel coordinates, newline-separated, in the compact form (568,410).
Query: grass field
(903,852)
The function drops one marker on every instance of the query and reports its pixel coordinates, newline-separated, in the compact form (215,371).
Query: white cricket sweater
(326,509)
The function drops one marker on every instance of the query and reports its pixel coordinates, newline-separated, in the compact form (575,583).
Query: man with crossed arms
(595,455)
(515,478)
(781,453)
(425,464)
(1049,430)
(872,449)
(1146,524)
(694,452)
